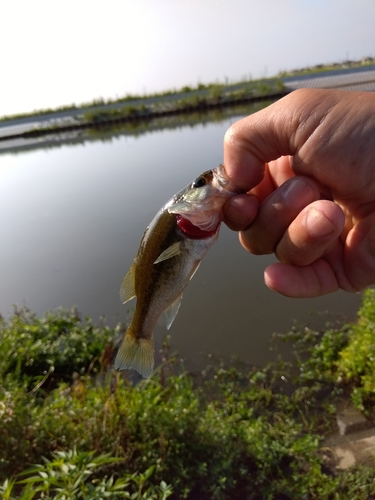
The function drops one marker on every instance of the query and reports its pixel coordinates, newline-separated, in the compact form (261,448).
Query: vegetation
(106,132)
(72,475)
(319,68)
(214,96)
(242,86)
(191,96)
(71,428)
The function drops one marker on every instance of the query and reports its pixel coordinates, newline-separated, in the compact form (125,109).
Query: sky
(73,51)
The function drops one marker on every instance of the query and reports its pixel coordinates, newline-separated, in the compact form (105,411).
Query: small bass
(169,255)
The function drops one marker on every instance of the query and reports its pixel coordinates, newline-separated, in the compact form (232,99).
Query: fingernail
(298,194)
(317,223)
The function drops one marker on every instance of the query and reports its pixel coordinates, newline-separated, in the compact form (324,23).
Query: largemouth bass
(170,252)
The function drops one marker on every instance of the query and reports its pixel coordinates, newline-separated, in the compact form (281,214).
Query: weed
(57,345)
(231,432)
(73,475)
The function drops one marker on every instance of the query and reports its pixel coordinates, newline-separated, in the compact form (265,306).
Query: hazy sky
(60,52)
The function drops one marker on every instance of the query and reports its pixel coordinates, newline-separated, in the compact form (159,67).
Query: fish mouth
(222,181)
(202,203)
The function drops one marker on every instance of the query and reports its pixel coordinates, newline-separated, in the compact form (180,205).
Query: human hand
(307,164)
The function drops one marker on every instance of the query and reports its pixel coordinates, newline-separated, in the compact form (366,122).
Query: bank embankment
(217,97)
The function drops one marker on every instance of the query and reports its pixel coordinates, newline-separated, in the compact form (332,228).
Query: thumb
(281,129)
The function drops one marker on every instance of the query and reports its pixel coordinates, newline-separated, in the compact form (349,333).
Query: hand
(307,164)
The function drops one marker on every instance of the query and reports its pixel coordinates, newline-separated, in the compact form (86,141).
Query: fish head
(201,201)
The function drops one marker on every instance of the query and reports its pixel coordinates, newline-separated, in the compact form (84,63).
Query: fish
(169,255)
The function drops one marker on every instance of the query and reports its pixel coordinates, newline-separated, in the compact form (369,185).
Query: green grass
(71,475)
(106,132)
(227,432)
(213,93)
(210,88)
(320,68)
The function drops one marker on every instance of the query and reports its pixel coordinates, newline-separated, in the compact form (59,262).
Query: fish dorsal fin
(127,290)
(171,312)
(170,252)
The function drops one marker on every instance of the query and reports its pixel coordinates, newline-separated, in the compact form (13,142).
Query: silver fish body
(170,252)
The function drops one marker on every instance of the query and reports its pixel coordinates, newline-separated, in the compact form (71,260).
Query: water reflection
(72,219)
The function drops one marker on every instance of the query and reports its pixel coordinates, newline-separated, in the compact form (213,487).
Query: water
(71,221)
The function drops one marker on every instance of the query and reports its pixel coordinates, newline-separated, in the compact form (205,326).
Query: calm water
(71,220)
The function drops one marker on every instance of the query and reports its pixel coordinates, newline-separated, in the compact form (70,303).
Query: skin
(307,164)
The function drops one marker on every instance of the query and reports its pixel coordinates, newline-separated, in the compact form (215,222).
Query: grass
(132,104)
(70,475)
(228,432)
(143,115)
(261,86)
(214,96)
(106,132)
(319,68)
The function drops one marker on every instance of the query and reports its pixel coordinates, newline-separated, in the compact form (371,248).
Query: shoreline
(144,114)
(312,71)
(131,109)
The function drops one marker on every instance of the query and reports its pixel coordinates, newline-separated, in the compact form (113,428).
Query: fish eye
(199,182)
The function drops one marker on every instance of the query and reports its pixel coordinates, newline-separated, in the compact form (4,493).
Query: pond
(71,221)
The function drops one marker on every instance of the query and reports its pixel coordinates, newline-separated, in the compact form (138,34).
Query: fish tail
(137,354)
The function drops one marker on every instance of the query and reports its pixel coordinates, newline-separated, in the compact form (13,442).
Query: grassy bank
(108,133)
(144,111)
(244,87)
(228,432)
(213,96)
(321,68)
(197,97)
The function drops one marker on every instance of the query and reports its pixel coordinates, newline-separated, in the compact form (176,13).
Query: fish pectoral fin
(127,290)
(137,354)
(170,252)
(171,312)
